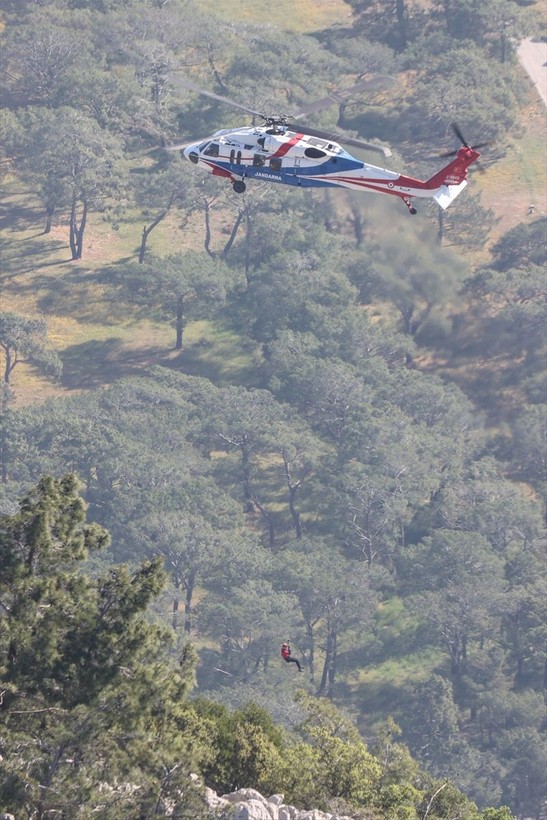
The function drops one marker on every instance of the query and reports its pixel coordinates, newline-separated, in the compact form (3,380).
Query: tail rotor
(464,144)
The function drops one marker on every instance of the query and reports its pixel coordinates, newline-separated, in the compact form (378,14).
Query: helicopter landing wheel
(409,205)
(239,186)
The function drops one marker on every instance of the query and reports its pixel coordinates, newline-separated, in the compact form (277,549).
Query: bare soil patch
(515,187)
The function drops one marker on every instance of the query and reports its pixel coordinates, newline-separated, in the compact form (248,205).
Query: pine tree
(94,717)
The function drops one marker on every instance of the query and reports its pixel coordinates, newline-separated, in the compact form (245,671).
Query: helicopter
(279,150)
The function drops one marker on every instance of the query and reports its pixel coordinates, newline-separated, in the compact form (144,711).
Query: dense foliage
(317,480)
(96,718)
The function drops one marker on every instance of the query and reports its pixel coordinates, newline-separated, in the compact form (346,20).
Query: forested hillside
(96,716)
(299,415)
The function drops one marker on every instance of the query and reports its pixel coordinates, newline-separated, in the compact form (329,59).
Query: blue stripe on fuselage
(336,165)
(293,174)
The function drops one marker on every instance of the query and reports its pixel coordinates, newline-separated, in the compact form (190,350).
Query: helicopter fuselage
(282,155)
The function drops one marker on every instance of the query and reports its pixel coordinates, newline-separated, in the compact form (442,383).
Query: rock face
(248,804)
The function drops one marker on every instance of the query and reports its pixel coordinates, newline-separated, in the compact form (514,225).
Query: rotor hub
(276,122)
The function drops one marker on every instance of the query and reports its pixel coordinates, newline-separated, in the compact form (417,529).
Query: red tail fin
(456,171)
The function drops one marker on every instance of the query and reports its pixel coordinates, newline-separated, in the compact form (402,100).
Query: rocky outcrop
(248,804)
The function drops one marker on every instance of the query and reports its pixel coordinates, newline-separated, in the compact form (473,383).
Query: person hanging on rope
(287,656)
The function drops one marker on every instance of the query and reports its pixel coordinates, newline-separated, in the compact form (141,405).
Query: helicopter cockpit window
(324,146)
(258,160)
(275,163)
(314,153)
(211,150)
(202,146)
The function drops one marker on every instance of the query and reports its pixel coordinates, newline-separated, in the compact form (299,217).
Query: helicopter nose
(191,154)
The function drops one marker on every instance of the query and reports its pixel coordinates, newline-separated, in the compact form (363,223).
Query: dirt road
(533,58)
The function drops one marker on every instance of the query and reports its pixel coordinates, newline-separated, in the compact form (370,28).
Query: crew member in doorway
(287,657)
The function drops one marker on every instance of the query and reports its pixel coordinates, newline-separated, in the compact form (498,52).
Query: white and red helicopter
(306,157)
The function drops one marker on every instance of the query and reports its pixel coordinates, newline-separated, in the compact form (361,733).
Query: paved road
(533,58)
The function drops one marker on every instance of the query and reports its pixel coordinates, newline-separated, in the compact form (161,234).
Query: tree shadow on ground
(216,349)
(101,362)
(381,697)
(81,294)
(14,216)
(25,245)
(189,362)
(22,257)
(206,360)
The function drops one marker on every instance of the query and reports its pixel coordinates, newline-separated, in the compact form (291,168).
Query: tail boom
(443,187)
(446,184)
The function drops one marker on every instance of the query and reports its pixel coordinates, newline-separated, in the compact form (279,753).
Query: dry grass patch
(304,16)
(518,180)
(93,356)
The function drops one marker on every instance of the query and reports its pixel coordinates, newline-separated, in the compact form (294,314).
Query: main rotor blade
(165,146)
(180,145)
(339,95)
(328,135)
(192,87)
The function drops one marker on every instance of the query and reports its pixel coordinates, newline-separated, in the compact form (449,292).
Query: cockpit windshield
(324,145)
(211,149)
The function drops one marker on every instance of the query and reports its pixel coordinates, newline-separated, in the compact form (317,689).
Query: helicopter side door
(235,156)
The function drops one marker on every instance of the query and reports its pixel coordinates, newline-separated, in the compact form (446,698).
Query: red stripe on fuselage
(402,181)
(371,184)
(386,185)
(286,147)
